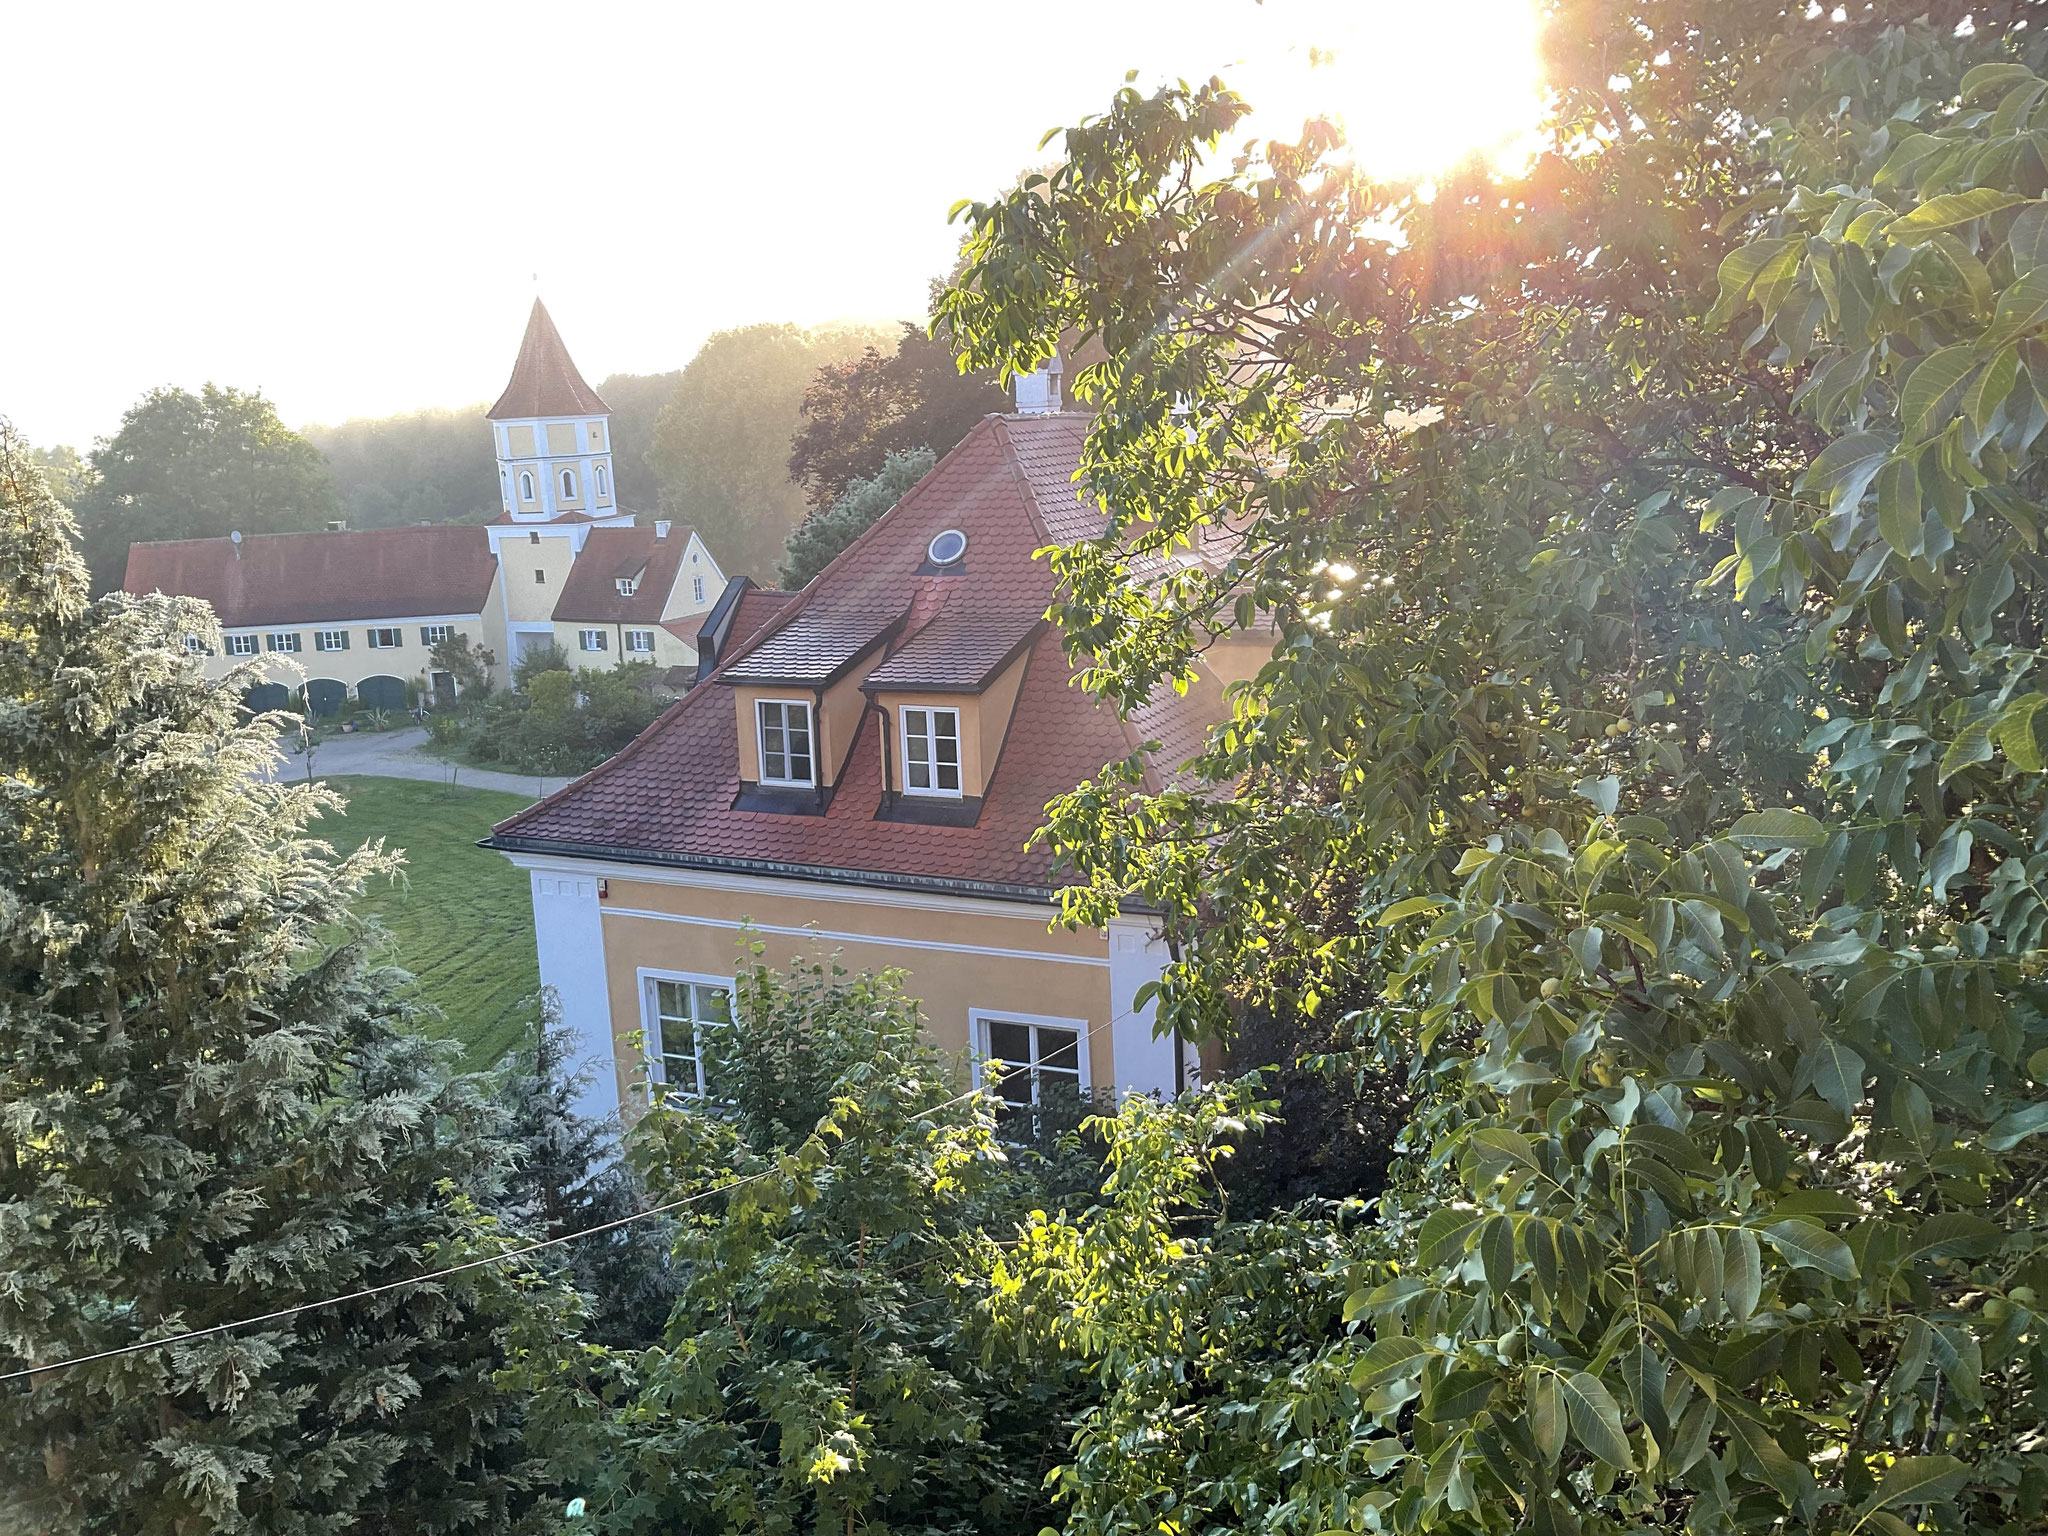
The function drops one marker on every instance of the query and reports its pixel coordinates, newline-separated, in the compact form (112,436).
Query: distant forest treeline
(770,426)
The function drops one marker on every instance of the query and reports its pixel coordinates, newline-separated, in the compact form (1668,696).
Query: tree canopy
(721,444)
(815,542)
(431,466)
(1648,541)
(860,412)
(196,466)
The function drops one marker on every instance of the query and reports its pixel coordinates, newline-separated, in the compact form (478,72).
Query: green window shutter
(344,639)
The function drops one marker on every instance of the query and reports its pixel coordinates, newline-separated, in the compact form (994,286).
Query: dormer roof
(960,651)
(544,379)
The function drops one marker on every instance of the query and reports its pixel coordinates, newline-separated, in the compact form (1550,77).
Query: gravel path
(397,755)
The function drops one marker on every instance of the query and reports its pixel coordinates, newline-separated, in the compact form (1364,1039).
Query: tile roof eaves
(1037,895)
(953,685)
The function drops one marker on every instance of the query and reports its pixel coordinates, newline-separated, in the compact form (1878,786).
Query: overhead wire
(367,1292)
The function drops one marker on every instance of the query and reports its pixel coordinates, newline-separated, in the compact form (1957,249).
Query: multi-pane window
(288,641)
(678,1013)
(194,646)
(1035,1059)
(640,641)
(591,639)
(931,751)
(330,639)
(434,634)
(627,586)
(785,742)
(697,589)
(241,645)
(386,639)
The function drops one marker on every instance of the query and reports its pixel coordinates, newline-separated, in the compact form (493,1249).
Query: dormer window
(785,742)
(931,751)
(627,586)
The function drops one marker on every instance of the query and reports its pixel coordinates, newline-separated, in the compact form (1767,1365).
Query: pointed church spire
(544,380)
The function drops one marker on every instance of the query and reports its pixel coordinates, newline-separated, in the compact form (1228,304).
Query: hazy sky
(347,205)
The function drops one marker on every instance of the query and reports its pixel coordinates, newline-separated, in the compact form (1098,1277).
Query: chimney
(337,525)
(661,529)
(1038,392)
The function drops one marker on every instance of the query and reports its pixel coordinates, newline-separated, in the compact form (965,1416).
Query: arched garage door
(266,696)
(325,696)
(381,693)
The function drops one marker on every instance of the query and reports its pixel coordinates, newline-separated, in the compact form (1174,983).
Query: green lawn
(461,915)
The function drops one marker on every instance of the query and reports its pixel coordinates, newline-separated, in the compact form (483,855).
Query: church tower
(553,434)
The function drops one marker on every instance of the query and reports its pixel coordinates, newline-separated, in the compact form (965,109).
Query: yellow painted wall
(408,661)
(561,439)
(520,440)
(526,600)
(946,983)
(596,431)
(522,481)
(832,730)
(668,650)
(1240,655)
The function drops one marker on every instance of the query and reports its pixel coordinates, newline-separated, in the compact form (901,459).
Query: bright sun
(1416,87)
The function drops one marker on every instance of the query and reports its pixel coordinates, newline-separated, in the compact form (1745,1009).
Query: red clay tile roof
(591,594)
(669,797)
(816,647)
(544,381)
(507,520)
(306,578)
(757,606)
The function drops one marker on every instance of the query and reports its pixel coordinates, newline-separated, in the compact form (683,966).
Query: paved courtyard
(397,755)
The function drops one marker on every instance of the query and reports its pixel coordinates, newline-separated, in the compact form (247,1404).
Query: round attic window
(947,547)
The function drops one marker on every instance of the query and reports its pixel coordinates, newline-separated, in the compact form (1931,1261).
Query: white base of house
(1144,1061)
(568,930)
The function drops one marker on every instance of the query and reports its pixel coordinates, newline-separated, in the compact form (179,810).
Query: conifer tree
(210,1109)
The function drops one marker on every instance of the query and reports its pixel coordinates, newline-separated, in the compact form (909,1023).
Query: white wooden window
(627,586)
(526,485)
(330,639)
(640,641)
(604,484)
(194,646)
(679,1009)
(241,645)
(434,634)
(592,639)
(1036,1053)
(386,639)
(697,589)
(785,742)
(931,751)
(288,641)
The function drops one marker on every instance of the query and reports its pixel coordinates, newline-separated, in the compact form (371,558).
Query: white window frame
(241,645)
(432,635)
(389,637)
(696,589)
(330,639)
(194,646)
(627,586)
(601,480)
(567,481)
(286,642)
(810,735)
(634,637)
(526,485)
(650,1023)
(592,640)
(903,715)
(978,1020)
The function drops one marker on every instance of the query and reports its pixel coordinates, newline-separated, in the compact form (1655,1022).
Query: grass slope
(461,917)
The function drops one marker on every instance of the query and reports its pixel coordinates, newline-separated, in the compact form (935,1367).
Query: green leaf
(1933,380)
(1442,1238)
(1898,507)
(2013,732)
(2028,239)
(1604,793)
(2008,1131)
(1738,271)
(1408,908)
(1547,1415)
(1812,1246)
(1596,1420)
(2021,308)
(1949,210)
(1955,1234)
(1845,468)
(1836,1073)
(1742,1274)
(1985,79)
(1780,827)
(1498,1144)
(1917,1480)
(1972,746)
(1388,1358)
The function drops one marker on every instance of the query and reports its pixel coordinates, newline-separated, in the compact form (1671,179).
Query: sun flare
(1416,88)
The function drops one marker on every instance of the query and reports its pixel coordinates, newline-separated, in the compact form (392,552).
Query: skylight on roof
(948,547)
